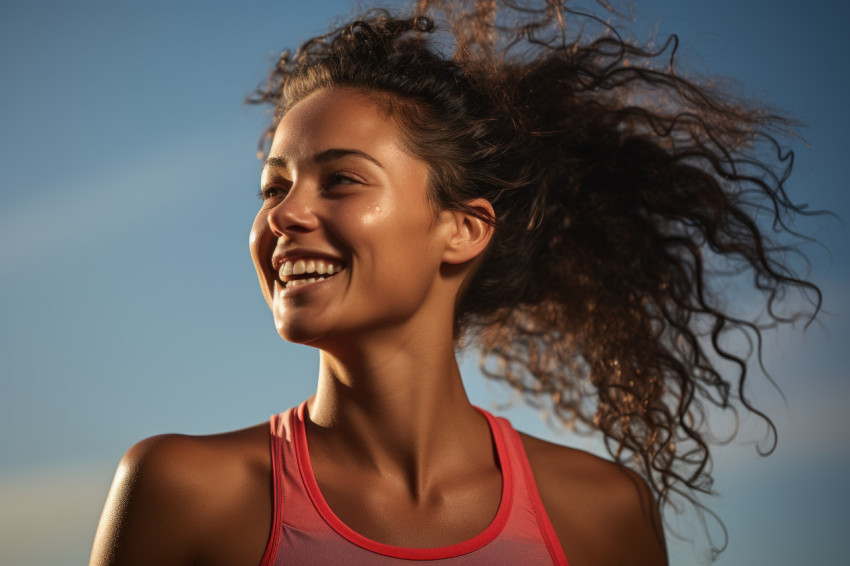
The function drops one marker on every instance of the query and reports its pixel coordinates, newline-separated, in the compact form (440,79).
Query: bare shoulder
(174,496)
(602,512)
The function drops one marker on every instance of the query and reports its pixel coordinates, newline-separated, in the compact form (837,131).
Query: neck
(397,408)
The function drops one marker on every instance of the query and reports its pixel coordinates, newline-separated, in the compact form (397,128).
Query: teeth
(301,282)
(302,266)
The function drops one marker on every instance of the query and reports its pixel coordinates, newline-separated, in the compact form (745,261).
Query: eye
(342,179)
(271,192)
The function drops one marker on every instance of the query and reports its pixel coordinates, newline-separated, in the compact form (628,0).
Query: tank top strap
(528,501)
(279,435)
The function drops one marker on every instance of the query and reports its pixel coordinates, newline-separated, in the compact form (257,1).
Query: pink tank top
(305,531)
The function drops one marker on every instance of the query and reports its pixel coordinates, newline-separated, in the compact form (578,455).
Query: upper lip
(292,254)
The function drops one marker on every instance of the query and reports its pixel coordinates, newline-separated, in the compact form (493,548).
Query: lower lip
(294,291)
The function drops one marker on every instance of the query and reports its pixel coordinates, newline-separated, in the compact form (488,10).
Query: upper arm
(635,519)
(602,513)
(150,516)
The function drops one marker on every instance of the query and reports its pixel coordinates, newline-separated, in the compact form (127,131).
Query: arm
(603,514)
(150,513)
(635,523)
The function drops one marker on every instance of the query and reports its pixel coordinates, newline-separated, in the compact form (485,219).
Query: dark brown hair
(625,194)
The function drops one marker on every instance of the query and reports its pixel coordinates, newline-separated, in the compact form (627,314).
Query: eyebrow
(324,157)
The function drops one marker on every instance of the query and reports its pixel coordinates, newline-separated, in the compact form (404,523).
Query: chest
(387,511)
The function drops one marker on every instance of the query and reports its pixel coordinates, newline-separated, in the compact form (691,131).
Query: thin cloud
(117,197)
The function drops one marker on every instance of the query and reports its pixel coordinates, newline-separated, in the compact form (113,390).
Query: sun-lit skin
(367,207)
(339,184)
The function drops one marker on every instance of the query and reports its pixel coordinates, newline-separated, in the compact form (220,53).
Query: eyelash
(267,193)
(335,179)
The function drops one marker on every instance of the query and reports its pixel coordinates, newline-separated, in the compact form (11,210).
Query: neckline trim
(458,549)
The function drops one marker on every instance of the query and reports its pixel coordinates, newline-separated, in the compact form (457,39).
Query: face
(346,239)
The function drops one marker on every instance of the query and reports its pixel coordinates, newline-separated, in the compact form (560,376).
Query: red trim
(451,551)
(277,501)
(556,551)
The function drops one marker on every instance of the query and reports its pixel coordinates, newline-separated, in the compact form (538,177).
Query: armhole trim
(556,551)
(277,503)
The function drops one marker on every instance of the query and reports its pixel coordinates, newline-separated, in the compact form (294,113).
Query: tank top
(305,531)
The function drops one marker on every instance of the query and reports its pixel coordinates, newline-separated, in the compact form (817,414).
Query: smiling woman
(562,201)
(339,189)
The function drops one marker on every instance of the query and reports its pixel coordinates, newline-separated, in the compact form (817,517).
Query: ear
(468,234)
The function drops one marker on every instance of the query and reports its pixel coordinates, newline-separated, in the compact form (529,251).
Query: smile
(305,271)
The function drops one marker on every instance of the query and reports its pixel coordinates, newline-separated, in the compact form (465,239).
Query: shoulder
(593,503)
(178,468)
(171,492)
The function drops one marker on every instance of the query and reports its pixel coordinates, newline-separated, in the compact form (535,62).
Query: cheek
(407,254)
(256,232)
(261,244)
(393,229)
(372,215)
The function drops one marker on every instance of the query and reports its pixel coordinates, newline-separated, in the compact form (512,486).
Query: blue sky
(130,307)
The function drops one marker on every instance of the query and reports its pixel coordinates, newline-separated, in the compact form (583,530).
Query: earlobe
(470,232)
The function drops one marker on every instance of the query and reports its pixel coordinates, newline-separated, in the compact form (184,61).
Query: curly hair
(623,193)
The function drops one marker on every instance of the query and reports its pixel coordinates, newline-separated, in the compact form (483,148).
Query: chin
(298,332)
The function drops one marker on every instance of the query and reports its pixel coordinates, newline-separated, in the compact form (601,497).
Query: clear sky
(130,307)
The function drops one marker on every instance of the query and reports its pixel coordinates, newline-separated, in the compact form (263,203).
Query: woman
(556,200)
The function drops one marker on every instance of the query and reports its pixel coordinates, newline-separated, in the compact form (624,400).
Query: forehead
(336,118)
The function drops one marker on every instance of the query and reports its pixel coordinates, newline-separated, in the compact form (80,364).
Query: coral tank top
(305,531)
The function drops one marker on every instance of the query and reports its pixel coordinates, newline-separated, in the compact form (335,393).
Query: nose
(294,213)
